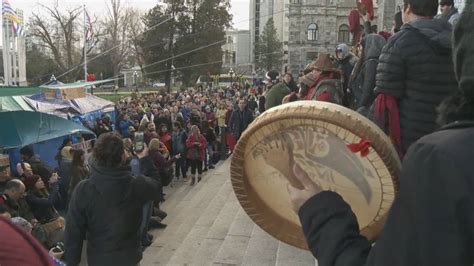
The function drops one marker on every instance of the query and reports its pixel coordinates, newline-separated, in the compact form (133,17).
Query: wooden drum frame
(315,135)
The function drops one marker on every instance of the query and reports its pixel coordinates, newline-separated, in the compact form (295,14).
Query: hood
(112,183)
(344,49)
(438,31)
(373,44)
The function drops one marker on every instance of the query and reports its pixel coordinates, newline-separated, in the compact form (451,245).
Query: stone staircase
(207,226)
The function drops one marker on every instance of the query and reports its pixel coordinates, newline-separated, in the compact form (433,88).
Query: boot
(199,179)
(193,180)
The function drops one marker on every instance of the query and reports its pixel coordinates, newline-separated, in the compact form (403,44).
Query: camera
(58,248)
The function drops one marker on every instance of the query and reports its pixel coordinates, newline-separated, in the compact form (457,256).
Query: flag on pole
(89,31)
(11,15)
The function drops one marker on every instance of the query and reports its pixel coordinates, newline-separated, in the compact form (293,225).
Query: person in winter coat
(107,208)
(322,83)
(240,119)
(79,170)
(165,137)
(42,203)
(362,83)
(210,135)
(414,75)
(448,11)
(290,82)
(276,90)
(179,138)
(345,62)
(124,125)
(39,167)
(196,144)
(431,221)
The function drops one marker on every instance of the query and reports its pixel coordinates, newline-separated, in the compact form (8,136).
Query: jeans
(180,166)
(146,216)
(223,146)
(209,153)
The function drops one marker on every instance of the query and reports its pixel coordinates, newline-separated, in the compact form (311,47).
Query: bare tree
(60,32)
(136,29)
(116,26)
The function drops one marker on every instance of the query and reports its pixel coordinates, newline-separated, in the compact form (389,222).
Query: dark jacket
(363,84)
(107,207)
(275,95)
(178,140)
(416,68)
(239,121)
(42,206)
(431,221)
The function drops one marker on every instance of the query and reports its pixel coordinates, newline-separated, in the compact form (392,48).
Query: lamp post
(135,79)
(231,73)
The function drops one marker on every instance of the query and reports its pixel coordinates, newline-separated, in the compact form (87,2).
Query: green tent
(22,128)
(19,91)
(13,103)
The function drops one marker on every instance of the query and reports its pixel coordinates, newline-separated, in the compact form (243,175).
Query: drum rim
(328,112)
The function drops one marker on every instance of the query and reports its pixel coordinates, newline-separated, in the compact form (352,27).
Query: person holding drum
(431,221)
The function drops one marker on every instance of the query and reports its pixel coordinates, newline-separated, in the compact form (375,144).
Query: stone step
(289,255)
(235,243)
(191,244)
(183,216)
(262,248)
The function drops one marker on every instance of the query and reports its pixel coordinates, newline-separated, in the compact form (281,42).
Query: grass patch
(112,97)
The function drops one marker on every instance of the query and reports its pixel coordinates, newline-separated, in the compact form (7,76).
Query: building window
(313,32)
(343,35)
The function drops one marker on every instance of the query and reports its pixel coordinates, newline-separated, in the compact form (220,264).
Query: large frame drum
(341,151)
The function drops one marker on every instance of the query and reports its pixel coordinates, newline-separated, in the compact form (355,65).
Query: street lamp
(231,73)
(135,79)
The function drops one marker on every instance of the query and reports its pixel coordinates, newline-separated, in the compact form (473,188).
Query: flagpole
(85,45)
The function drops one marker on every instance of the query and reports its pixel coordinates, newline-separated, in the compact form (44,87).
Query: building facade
(260,12)
(14,52)
(236,51)
(318,26)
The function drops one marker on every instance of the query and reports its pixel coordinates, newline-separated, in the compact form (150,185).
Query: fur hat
(272,76)
(308,79)
(463,50)
(323,63)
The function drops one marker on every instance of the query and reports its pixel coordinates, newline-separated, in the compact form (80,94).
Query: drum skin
(316,135)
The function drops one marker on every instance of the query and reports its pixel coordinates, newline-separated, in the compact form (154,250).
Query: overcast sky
(240,8)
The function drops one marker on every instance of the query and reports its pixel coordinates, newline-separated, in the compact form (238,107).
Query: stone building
(317,26)
(236,51)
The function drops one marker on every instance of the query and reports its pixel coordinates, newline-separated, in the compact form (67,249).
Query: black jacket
(431,221)
(239,121)
(107,208)
(364,77)
(416,68)
(43,206)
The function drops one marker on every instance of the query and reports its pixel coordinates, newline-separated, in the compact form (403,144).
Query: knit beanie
(463,50)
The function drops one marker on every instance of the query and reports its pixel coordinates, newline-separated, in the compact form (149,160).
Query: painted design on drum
(314,148)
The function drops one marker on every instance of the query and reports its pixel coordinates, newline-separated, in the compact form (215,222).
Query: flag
(11,15)
(89,31)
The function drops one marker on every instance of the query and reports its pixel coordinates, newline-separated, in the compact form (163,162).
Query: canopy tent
(23,128)
(76,84)
(19,91)
(14,103)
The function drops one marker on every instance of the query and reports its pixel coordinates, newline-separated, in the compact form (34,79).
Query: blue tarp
(23,128)
(45,131)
